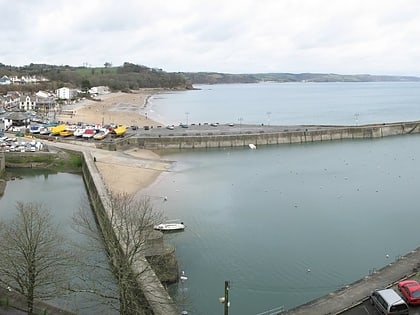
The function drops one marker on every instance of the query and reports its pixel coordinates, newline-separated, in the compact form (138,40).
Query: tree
(128,228)
(33,261)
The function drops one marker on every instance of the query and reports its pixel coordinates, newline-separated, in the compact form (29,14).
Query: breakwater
(218,137)
(159,301)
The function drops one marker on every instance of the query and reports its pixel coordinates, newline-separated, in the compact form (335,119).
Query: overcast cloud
(246,36)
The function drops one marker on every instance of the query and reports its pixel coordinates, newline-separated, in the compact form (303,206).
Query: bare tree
(33,261)
(125,234)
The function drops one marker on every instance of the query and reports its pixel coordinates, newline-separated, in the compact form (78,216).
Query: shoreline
(128,171)
(116,107)
(132,170)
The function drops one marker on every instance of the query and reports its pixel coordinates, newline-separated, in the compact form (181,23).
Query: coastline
(117,107)
(129,171)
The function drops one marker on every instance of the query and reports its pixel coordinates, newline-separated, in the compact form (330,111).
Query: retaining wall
(2,163)
(282,136)
(156,295)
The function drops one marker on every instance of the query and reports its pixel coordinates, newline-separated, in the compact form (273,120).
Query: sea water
(290,103)
(289,223)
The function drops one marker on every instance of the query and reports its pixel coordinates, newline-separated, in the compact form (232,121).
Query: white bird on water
(183,276)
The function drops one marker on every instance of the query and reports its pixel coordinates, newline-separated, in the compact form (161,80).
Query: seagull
(183,276)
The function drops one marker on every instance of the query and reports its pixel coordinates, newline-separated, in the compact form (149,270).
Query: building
(99,90)
(10,101)
(27,79)
(27,103)
(65,93)
(4,80)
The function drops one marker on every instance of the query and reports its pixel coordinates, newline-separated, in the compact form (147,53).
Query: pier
(222,136)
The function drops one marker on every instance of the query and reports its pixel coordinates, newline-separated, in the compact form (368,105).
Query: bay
(290,103)
(287,224)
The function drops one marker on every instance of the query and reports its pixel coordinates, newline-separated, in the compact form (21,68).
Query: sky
(230,36)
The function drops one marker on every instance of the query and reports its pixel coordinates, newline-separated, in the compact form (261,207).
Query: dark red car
(410,289)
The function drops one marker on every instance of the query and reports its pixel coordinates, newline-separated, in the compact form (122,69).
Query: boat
(57,129)
(66,133)
(252,146)
(120,130)
(170,226)
(44,131)
(35,129)
(79,132)
(103,132)
(89,133)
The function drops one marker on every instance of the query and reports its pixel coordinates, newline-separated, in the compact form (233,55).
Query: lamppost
(240,119)
(268,118)
(356,118)
(225,299)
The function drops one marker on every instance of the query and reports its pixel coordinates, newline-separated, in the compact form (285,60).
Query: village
(26,114)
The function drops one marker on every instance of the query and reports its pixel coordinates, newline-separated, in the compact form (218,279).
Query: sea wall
(2,163)
(293,134)
(155,294)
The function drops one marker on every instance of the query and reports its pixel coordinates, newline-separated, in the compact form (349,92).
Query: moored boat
(120,130)
(44,131)
(66,133)
(103,132)
(89,133)
(170,226)
(35,129)
(79,132)
(57,129)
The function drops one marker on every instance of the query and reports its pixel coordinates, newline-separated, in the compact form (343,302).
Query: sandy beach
(127,171)
(118,108)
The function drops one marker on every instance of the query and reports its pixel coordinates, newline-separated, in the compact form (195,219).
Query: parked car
(410,289)
(387,301)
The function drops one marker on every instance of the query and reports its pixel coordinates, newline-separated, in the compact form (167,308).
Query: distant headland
(131,76)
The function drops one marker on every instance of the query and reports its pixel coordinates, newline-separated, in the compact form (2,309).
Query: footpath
(338,302)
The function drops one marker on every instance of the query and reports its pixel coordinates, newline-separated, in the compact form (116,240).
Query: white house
(65,93)
(5,123)
(4,80)
(99,90)
(27,103)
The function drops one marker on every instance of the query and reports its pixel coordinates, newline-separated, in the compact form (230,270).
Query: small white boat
(252,146)
(170,226)
(35,129)
(79,132)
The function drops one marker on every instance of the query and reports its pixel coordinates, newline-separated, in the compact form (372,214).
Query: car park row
(17,145)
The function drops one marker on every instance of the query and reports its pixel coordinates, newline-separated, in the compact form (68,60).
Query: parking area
(366,308)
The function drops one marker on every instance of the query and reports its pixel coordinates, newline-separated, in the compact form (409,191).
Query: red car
(410,289)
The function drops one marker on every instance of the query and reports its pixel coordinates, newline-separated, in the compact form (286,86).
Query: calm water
(63,194)
(291,103)
(263,218)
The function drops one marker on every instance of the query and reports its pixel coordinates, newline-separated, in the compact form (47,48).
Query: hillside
(130,76)
(126,77)
(219,78)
